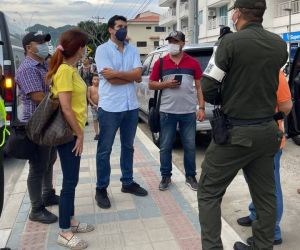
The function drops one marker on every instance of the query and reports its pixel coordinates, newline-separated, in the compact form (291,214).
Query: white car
(201,52)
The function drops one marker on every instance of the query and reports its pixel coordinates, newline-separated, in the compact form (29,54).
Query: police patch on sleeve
(213,71)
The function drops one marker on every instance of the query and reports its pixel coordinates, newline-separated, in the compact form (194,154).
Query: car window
(155,58)
(146,65)
(202,56)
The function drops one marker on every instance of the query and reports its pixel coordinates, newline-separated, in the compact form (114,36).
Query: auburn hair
(69,43)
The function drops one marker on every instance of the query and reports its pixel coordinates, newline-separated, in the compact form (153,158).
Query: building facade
(179,16)
(212,14)
(145,33)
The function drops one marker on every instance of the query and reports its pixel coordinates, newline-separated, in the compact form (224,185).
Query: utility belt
(244,122)
(221,124)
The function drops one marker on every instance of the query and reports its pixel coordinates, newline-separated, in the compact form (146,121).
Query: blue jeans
(110,122)
(187,131)
(278,197)
(70,165)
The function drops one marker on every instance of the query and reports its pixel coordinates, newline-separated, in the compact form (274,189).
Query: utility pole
(98,18)
(290,40)
(193,26)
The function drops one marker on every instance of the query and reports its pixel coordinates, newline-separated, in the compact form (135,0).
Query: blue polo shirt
(114,97)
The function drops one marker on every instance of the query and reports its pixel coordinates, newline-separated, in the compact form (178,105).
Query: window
(148,28)
(156,44)
(141,44)
(200,17)
(160,29)
(155,58)
(146,65)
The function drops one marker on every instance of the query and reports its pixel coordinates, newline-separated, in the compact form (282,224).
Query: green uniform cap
(249,4)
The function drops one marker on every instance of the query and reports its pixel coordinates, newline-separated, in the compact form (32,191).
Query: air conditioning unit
(211,13)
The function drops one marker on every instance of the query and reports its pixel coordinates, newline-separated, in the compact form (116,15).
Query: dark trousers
(40,175)
(109,123)
(252,149)
(70,165)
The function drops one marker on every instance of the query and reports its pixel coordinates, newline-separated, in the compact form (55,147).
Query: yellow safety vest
(3,119)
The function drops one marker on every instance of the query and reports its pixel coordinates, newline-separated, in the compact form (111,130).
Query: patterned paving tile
(161,220)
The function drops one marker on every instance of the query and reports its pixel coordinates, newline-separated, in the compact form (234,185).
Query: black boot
(51,199)
(241,246)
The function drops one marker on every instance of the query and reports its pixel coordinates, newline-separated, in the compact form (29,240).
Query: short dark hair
(112,21)
(95,75)
(252,15)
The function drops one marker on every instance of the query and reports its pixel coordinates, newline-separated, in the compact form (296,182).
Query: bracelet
(201,108)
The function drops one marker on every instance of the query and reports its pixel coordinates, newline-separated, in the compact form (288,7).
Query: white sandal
(82,228)
(73,243)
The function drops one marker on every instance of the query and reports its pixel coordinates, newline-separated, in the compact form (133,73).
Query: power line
(98,18)
(131,7)
(143,6)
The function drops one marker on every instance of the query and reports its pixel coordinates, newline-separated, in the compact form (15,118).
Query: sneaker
(245,221)
(43,216)
(51,199)
(241,246)
(164,184)
(102,198)
(96,138)
(250,241)
(135,189)
(191,182)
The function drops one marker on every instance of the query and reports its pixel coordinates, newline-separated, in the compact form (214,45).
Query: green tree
(98,34)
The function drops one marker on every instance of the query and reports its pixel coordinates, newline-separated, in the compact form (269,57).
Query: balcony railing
(169,13)
(293,5)
(184,7)
(216,22)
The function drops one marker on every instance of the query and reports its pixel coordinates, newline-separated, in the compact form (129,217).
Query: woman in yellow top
(70,89)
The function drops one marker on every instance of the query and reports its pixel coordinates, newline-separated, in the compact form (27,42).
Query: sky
(57,13)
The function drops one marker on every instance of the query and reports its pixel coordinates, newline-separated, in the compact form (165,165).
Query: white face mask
(174,49)
(235,20)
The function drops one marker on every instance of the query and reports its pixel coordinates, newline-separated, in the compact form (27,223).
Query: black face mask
(121,34)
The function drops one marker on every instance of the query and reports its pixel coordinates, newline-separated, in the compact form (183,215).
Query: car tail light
(8,93)
(8,117)
(8,83)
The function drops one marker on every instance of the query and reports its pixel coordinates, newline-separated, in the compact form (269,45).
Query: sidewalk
(162,220)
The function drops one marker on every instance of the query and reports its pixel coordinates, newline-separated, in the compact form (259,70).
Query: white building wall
(275,19)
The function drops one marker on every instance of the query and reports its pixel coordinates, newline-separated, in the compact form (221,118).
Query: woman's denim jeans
(70,165)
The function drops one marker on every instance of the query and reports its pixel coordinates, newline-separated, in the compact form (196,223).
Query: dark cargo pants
(40,175)
(251,148)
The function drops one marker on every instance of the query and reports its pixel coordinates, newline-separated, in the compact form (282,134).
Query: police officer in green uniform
(242,76)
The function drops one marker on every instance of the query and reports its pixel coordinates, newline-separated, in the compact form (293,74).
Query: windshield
(202,56)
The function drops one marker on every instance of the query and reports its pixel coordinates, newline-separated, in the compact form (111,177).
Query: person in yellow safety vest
(3,133)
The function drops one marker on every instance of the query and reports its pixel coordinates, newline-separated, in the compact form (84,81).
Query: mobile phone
(178,78)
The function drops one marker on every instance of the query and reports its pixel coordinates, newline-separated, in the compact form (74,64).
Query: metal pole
(290,40)
(290,31)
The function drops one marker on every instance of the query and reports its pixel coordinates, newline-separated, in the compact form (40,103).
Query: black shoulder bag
(18,145)
(154,105)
